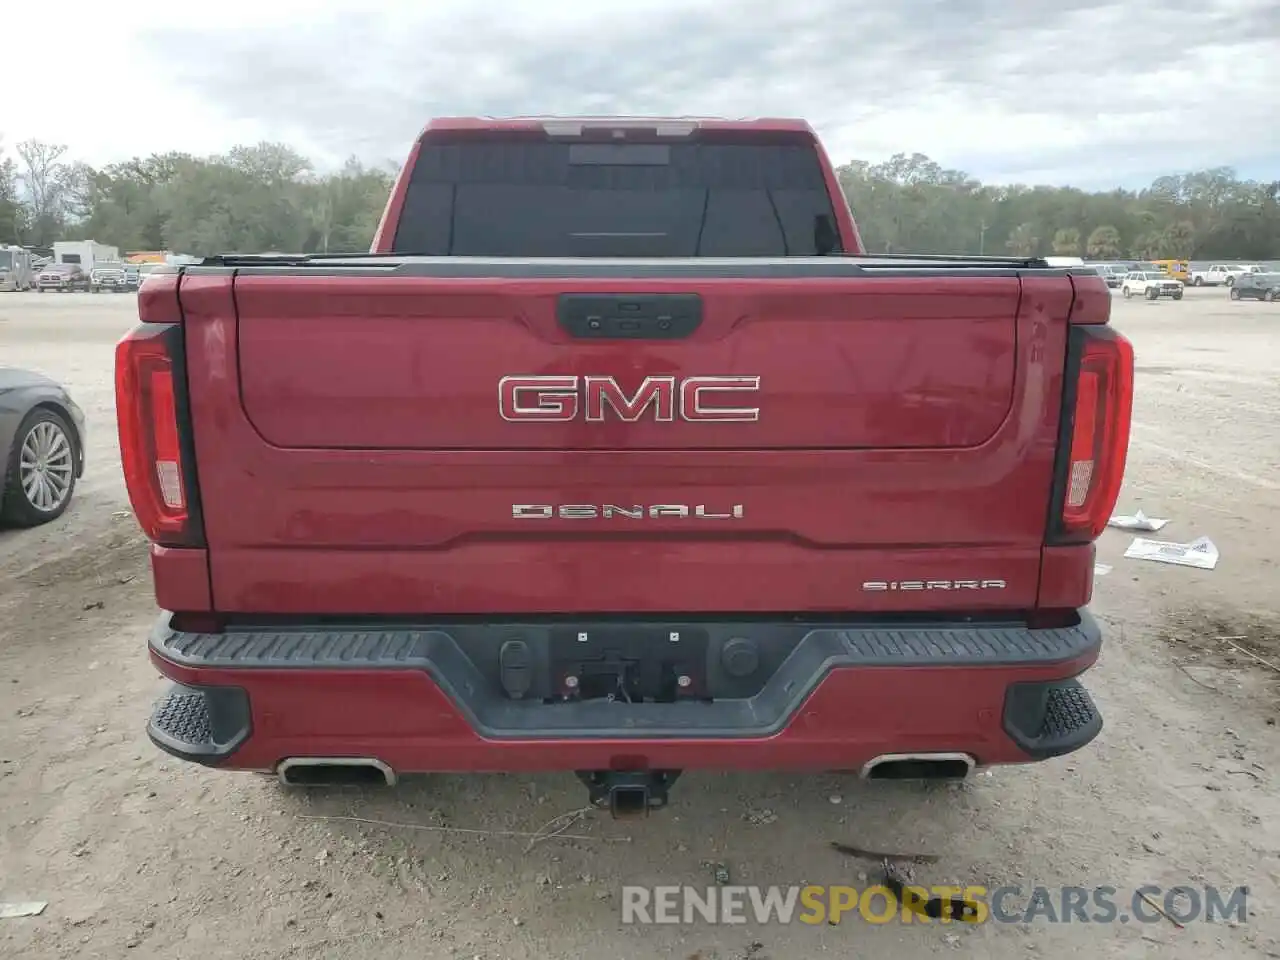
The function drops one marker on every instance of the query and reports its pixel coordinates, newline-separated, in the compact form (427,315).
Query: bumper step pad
(184,718)
(1051,719)
(201,724)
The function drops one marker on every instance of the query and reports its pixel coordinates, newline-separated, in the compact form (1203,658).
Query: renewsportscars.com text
(877,904)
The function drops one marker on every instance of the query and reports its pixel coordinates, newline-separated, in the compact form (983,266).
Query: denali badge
(607,511)
(879,586)
(560,399)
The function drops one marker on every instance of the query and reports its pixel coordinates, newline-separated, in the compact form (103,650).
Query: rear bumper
(424,699)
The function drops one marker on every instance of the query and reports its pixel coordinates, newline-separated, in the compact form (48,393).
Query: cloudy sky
(1082,91)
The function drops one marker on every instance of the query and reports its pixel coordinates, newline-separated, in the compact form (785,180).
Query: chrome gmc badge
(563,399)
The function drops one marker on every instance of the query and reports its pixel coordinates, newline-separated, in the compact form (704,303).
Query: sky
(1092,93)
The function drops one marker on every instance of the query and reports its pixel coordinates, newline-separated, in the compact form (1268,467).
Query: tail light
(158,463)
(1095,437)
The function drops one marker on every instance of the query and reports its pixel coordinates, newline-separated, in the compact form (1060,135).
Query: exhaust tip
(334,772)
(919,766)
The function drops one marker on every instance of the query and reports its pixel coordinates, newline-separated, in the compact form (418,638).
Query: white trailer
(86,253)
(16,271)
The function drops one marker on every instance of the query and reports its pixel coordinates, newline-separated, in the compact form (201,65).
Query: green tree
(1023,241)
(1066,242)
(12,211)
(1178,241)
(1147,245)
(47,179)
(343,209)
(1104,243)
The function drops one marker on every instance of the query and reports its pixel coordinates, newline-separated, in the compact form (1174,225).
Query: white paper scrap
(32,908)
(1199,553)
(1101,569)
(1139,521)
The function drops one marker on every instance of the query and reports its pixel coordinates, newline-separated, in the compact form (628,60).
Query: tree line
(269,197)
(251,199)
(912,204)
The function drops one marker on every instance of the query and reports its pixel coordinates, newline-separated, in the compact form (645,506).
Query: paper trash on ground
(32,908)
(1199,553)
(1101,569)
(1139,521)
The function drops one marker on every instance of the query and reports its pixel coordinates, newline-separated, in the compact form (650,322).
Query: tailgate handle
(629,316)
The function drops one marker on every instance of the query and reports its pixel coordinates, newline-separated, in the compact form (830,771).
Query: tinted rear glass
(513,198)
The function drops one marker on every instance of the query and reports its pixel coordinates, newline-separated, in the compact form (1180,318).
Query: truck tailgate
(359,453)
(415,364)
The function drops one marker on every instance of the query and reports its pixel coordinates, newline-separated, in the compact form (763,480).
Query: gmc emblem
(561,399)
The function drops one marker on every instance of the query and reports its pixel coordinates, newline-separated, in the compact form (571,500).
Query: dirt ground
(142,856)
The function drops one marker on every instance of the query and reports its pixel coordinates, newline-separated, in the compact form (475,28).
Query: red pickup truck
(618,455)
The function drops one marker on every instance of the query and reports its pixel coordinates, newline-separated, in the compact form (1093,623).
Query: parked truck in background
(1112,274)
(62,278)
(1222,274)
(110,276)
(618,455)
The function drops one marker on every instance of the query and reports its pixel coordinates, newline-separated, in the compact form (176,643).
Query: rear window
(528,198)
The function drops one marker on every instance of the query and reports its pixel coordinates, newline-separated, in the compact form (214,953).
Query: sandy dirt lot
(142,856)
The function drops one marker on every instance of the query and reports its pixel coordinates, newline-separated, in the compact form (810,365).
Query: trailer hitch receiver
(628,793)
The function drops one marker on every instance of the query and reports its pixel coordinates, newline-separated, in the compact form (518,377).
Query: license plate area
(635,664)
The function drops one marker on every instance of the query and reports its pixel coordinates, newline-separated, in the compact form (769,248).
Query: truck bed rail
(702,267)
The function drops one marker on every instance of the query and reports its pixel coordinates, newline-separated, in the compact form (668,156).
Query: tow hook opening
(628,793)
(921,766)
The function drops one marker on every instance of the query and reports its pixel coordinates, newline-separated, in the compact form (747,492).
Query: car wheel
(1198,282)
(1231,281)
(41,474)
(1127,292)
(1178,295)
(1235,294)
(1153,294)
(1269,296)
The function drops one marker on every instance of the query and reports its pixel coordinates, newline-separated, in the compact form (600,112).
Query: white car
(1151,284)
(1222,273)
